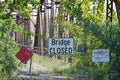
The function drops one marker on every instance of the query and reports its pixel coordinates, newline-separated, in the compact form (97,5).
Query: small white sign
(100,55)
(60,46)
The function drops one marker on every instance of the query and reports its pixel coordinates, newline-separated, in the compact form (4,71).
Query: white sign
(100,55)
(60,46)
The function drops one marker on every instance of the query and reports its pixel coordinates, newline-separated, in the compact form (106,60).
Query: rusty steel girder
(109,10)
(117,4)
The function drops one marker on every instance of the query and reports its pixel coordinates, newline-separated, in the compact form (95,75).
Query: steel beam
(109,10)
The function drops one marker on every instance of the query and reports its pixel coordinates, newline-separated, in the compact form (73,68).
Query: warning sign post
(60,46)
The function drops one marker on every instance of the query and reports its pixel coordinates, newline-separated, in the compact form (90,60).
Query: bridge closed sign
(60,46)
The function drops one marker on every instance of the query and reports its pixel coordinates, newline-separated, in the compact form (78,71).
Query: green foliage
(91,29)
(8,47)
(8,62)
(99,71)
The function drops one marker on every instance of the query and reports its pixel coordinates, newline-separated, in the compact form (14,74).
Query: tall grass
(51,63)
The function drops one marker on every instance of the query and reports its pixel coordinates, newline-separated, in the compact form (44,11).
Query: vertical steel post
(37,29)
(52,19)
(41,33)
(109,10)
(117,4)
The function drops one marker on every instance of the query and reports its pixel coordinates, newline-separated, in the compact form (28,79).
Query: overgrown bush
(8,48)
(8,63)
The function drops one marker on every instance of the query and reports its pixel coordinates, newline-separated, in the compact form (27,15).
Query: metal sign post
(30,66)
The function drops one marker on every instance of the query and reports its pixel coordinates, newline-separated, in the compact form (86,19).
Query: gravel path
(38,72)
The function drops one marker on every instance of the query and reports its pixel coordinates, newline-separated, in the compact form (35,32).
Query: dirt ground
(37,72)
